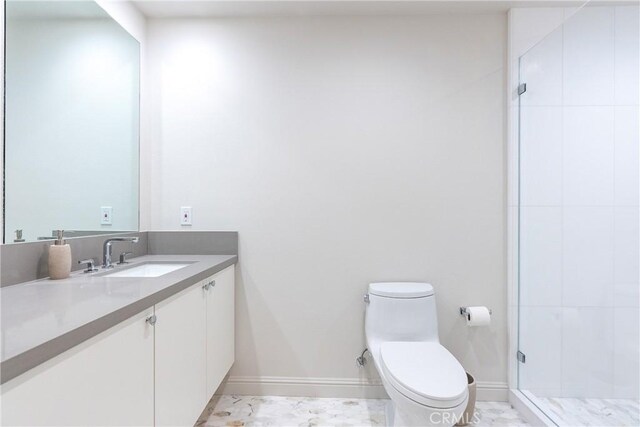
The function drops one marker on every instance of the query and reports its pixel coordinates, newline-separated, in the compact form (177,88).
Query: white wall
(344,150)
(579,219)
(128,16)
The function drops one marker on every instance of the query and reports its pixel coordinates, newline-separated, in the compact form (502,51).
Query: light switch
(106,215)
(185,215)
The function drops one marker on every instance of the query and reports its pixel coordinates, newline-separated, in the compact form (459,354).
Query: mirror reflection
(71,121)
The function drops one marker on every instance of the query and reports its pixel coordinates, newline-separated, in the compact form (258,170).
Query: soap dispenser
(18,238)
(59,258)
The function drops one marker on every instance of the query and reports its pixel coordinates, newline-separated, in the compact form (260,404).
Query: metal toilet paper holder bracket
(463,311)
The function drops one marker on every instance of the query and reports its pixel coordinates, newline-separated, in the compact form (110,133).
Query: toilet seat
(425,372)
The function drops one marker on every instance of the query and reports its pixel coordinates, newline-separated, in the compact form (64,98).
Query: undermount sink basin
(149,269)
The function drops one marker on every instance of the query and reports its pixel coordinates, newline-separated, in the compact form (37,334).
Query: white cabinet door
(107,380)
(180,332)
(220,327)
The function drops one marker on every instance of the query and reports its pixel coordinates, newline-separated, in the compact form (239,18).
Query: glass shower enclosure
(579,231)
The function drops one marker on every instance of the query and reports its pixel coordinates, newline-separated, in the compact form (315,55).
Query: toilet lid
(424,372)
(401,289)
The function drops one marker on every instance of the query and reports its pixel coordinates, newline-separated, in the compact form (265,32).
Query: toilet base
(388,413)
(439,418)
(403,412)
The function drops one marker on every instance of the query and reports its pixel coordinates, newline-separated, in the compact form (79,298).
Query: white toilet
(426,384)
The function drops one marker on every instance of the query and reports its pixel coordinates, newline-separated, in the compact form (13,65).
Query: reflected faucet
(106,249)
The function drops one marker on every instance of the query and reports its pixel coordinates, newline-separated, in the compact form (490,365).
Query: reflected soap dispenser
(59,258)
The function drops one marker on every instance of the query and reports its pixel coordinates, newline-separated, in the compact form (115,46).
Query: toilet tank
(401,311)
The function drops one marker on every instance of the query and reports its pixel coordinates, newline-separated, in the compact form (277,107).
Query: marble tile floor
(230,410)
(571,412)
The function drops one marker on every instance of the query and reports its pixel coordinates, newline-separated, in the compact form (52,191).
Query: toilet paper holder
(463,311)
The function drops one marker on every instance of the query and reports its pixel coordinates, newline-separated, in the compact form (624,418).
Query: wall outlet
(106,215)
(185,215)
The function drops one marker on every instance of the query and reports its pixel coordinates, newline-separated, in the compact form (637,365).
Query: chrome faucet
(106,249)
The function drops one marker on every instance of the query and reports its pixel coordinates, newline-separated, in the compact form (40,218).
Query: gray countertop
(44,318)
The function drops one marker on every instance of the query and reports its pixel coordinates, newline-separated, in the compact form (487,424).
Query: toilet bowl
(426,384)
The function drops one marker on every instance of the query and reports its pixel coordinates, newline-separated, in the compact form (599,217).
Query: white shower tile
(588,57)
(541,256)
(627,156)
(587,351)
(541,342)
(627,55)
(541,156)
(626,294)
(579,217)
(627,245)
(513,172)
(541,70)
(568,12)
(626,353)
(588,156)
(588,256)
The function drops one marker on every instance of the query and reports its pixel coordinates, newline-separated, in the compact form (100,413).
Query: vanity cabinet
(220,297)
(194,334)
(159,367)
(107,380)
(180,358)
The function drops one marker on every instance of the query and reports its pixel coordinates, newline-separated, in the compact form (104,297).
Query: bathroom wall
(579,248)
(344,150)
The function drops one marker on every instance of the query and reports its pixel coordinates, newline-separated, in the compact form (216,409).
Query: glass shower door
(578,220)
(540,219)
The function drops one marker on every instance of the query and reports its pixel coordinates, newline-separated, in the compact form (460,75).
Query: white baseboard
(311,387)
(354,388)
(492,391)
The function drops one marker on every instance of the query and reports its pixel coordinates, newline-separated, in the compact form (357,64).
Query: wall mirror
(71,149)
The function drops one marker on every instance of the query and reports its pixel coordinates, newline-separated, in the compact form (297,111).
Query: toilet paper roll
(478,316)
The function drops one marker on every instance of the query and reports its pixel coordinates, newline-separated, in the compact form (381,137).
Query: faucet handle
(90,265)
(123,257)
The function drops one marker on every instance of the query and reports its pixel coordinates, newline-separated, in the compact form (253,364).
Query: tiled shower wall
(579,233)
